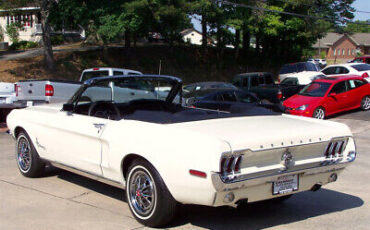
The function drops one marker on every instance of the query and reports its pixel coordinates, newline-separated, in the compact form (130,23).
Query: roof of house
(28,8)
(360,39)
(188,31)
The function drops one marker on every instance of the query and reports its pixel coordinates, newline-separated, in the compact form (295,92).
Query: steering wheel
(104,109)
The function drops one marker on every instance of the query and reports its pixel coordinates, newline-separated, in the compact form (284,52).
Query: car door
(356,92)
(74,137)
(337,98)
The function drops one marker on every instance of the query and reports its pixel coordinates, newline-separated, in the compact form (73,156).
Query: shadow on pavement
(96,186)
(257,215)
(266,214)
(356,114)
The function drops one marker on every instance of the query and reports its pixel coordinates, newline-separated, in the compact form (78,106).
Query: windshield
(361,67)
(290,81)
(315,89)
(126,89)
(92,74)
(299,67)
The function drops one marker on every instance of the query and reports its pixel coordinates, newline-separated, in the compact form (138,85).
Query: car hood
(267,132)
(297,100)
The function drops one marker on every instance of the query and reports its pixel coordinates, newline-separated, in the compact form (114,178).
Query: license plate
(285,184)
(2,100)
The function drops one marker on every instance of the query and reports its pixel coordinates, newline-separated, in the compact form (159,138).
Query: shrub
(21,45)
(57,40)
(12,32)
(1,34)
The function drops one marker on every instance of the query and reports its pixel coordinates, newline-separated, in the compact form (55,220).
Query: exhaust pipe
(315,187)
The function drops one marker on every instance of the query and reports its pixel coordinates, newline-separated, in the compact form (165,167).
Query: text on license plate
(285,184)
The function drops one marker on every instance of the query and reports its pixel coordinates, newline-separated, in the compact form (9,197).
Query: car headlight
(302,107)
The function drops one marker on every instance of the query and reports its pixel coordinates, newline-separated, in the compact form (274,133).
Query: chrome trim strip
(283,173)
(240,151)
(88,175)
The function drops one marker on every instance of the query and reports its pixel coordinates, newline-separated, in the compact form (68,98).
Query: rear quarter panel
(173,152)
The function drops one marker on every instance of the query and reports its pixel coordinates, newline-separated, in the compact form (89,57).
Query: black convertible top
(185,114)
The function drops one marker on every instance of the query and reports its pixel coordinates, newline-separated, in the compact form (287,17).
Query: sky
(363,5)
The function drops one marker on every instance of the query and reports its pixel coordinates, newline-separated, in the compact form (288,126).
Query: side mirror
(332,94)
(68,107)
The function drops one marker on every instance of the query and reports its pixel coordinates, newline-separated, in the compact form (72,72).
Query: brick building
(343,46)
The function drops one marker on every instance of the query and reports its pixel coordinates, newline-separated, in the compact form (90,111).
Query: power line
(360,11)
(282,12)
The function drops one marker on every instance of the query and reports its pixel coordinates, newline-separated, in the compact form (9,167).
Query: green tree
(352,28)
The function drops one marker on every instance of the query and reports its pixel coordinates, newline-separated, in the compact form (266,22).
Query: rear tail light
(230,165)
(279,95)
(16,89)
(365,75)
(49,90)
(278,79)
(95,68)
(334,149)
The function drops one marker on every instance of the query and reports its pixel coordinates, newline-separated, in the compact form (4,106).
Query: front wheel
(28,160)
(365,103)
(319,113)
(148,197)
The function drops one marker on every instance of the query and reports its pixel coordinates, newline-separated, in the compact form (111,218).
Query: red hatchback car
(328,96)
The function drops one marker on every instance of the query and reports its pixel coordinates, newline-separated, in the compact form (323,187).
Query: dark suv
(262,84)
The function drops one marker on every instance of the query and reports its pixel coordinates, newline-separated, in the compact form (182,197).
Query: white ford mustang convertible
(127,132)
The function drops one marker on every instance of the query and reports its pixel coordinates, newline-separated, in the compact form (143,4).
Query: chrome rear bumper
(260,188)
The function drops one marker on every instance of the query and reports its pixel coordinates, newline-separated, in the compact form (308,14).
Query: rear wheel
(28,160)
(148,197)
(319,113)
(365,103)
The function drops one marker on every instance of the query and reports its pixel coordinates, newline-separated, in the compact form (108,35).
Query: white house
(192,36)
(28,17)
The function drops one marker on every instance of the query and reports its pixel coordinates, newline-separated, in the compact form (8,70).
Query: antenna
(160,67)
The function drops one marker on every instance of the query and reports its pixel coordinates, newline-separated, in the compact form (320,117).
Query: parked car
(106,71)
(328,96)
(359,69)
(288,69)
(7,94)
(199,89)
(301,78)
(30,92)
(262,84)
(362,59)
(164,154)
(229,100)
(322,62)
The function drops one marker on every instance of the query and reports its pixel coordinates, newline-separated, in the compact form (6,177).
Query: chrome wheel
(366,103)
(142,192)
(319,113)
(24,158)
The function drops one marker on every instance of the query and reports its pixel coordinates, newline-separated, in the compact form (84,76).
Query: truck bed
(49,91)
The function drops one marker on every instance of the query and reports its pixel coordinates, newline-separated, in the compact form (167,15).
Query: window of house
(343,52)
(338,51)
(353,51)
(334,52)
(349,51)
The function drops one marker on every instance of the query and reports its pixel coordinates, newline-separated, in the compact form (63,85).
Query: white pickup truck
(7,94)
(31,92)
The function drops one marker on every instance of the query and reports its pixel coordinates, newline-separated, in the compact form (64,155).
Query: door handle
(99,125)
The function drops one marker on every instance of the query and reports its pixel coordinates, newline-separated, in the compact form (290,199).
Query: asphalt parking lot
(62,200)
